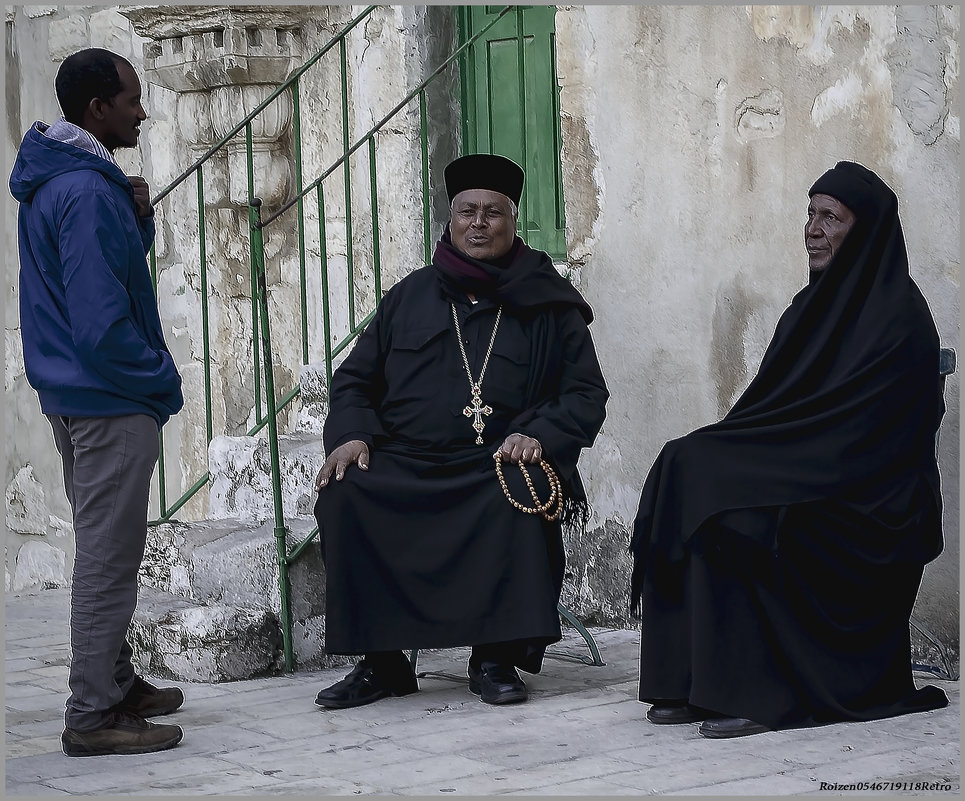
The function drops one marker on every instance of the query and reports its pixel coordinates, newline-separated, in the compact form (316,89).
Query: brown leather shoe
(125,733)
(146,700)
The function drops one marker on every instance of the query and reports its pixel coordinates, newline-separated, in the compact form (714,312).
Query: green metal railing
(168,510)
(267,406)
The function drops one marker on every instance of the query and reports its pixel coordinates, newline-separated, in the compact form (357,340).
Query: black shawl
(846,405)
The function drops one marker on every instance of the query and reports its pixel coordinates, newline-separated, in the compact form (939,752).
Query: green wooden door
(499,117)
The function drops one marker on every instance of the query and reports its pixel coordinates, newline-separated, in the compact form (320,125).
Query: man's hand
(518,448)
(142,196)
(353,452)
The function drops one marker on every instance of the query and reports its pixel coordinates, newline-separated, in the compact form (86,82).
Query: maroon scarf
(524,279)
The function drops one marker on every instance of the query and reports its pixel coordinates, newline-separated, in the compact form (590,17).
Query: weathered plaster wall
(691,136)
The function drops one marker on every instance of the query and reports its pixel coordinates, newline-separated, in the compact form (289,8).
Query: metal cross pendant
(476,411)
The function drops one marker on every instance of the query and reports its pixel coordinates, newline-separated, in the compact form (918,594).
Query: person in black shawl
(778,552)
(484,352)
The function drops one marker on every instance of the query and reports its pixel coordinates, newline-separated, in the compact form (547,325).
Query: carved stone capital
(196,48)
(223,61)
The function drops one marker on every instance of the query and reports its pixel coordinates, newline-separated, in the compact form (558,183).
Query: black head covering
(846,402)
(855,186)
(484,171)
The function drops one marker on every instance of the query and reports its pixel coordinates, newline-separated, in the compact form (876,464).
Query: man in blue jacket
(94,351)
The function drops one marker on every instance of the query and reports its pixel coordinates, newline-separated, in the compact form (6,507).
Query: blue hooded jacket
(92,339)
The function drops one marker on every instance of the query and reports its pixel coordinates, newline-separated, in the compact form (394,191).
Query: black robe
(778,553)
(423,550)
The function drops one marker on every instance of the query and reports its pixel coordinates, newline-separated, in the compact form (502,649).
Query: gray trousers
(108,464)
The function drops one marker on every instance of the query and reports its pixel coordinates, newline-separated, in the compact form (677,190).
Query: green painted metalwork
(301,546)
(510,97)
(323,271)
(521,89)
(166,512)
(376,254)
(453,57)
(263,105)
(355,326)
(161,483)
(572,619)
(595,659)
(180,502)
(347,181)
(205,339)
(255,357)
(424,146)
(281,533)
(352,334)
(302,281)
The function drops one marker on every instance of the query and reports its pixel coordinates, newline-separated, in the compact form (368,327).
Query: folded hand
(518,448)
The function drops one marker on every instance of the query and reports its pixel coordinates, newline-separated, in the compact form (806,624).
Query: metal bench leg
(597,660)
(590,642)
(946,671)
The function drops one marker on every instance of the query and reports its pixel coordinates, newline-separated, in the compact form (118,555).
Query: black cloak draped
(778,552)
(423,550)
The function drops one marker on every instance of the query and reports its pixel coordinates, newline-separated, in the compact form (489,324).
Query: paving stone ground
(581,733)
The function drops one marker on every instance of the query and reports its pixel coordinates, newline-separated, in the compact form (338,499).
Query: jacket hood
(41,158)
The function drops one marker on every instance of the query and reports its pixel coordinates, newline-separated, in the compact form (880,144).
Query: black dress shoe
(669,714)
(730,727)
(362,686)
(497,684)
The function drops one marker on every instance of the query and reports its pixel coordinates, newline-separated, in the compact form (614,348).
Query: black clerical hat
(485,171)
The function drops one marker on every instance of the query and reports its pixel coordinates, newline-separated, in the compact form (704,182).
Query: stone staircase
(209,598)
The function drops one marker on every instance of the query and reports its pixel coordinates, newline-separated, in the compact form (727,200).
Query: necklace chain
(476,410)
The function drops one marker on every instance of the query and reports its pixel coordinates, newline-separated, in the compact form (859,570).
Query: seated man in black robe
(778,553)
(483,353)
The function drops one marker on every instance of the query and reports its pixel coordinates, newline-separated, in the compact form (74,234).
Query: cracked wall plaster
(917,63)
(761,116)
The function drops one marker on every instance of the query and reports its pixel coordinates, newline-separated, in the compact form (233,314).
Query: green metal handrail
(281,533)
(454,56)
(166,511)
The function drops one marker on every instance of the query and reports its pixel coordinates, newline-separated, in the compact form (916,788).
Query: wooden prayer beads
(550,510)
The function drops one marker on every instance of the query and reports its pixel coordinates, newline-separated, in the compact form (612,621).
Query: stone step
(313,396)
(240,469)
(211,603)
(175,638)
(231,564)
(229,561)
